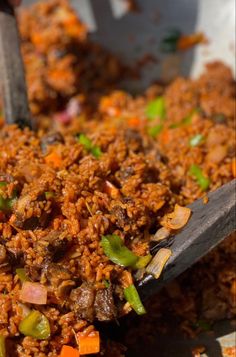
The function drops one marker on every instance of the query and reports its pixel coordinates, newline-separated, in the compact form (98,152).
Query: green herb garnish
(107,283)
(203,181)
(49,194)
(88,145)
(185,121)
(155,130)
(6,203)
(156,109)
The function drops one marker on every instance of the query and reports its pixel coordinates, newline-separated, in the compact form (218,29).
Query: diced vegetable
(6,203)
(35,325)
(134,122)
(111,190)
(203,181)
(175,41)
(2,346)
(161,234)
(158,262)
(196,140)
(155,130)
(89,344)
(117,252)
(169,42)
(96,151)
(156,109)
(21,274)
(63,117)
(53,159)
(177,219)
(49,194)
(88,145)
(33,293)
(143,261)
(187,41)
(185,121)
(107,283)
(132,296)
(68,351)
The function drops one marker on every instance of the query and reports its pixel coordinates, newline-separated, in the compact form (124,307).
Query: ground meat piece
(57,248)
(59,279)
(56,273)
(82,300)
(31,210)
(120,215)
(33,272)
(133,140)
(105,309)
(50,139)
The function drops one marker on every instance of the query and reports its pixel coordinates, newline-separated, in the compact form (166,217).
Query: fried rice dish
(105,177)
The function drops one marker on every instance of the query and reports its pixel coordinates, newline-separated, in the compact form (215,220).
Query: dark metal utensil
(209,224)
(12,78)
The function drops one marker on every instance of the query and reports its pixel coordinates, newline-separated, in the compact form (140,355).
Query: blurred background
(135,31)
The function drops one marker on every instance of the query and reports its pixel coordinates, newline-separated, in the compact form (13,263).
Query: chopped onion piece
(158,262)
(63,117)
(111,190)
(161,234)
(24,309)
(178,218)
(33,293)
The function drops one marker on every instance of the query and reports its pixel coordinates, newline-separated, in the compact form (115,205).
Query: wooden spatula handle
(12,77)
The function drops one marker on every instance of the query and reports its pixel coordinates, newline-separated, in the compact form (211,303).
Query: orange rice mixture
(66,198)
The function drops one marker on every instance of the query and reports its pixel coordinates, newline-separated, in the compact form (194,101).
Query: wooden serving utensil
(12,76)
(209,224)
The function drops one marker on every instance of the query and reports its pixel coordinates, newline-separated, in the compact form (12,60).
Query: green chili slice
(132,296)
(156,109)
(185,121)
(106,283)
(155,130)
(96,151)
(2,346)
(88,145)
(22,274)
(35,325)
(203,181)
(143,261)
(117,252)
(6,203)
(196,140)
(49,195)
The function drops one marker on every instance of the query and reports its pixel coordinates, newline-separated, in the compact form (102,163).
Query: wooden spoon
(12,77)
